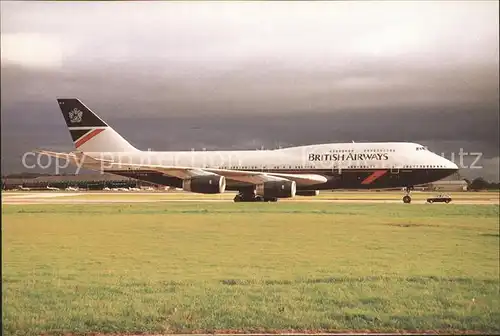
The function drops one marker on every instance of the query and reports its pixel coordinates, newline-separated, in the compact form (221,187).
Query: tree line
(480,183)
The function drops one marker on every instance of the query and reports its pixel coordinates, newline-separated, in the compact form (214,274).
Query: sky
(246,75)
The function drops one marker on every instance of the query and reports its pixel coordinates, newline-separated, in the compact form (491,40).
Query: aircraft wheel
(407,199)
(447,201)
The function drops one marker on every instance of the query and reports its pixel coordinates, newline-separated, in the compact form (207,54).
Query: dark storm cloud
(240,75)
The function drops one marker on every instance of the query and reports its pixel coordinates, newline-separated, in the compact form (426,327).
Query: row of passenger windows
(358,167)
(265,168)
(375,150)
(312,167)
(379,150)
(404,167)
(424,166)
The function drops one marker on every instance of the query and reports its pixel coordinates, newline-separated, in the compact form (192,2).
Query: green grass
(182,267)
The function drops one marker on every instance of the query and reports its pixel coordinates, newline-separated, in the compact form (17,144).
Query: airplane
(72,189)
(134,189)
(52,188)
(256,175)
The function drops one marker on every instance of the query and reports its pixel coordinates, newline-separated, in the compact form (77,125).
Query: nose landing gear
(407,197)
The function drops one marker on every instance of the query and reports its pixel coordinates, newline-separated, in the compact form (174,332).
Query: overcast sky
(177,75)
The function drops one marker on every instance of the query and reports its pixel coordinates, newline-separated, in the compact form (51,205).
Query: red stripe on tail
(88,136)
(375,175)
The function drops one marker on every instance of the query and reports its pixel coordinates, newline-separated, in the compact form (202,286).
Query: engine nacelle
(307,193)
(205,184)
(279,189)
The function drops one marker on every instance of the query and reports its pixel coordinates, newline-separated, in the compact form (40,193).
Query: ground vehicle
(439,198)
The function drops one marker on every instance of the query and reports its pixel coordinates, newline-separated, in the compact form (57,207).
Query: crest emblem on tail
(75,115)
(89,132)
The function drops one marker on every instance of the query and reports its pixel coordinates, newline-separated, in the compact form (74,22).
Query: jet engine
(205,184)
(307,193)
(279,189)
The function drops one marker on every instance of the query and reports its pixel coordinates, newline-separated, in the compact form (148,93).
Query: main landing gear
(243,197)
(407,197)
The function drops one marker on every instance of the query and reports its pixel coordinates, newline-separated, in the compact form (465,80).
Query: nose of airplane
(450,165)
(445,163)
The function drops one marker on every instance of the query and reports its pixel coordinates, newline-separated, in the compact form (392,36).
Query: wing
(259,177)
(250,177)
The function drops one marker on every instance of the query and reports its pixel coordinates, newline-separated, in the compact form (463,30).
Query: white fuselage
(395,155)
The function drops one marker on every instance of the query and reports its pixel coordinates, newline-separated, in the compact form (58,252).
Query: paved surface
(106,198)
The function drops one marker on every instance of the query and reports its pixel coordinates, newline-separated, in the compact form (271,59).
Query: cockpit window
(421,148)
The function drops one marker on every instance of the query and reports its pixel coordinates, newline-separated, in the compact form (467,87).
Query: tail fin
(89,132)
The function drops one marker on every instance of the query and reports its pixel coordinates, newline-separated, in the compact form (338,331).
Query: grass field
(247,267)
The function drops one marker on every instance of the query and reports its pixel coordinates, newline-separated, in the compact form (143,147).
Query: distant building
(453,182)
(448,185)
(84,181)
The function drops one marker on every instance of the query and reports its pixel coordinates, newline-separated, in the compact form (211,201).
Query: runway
(124,198)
